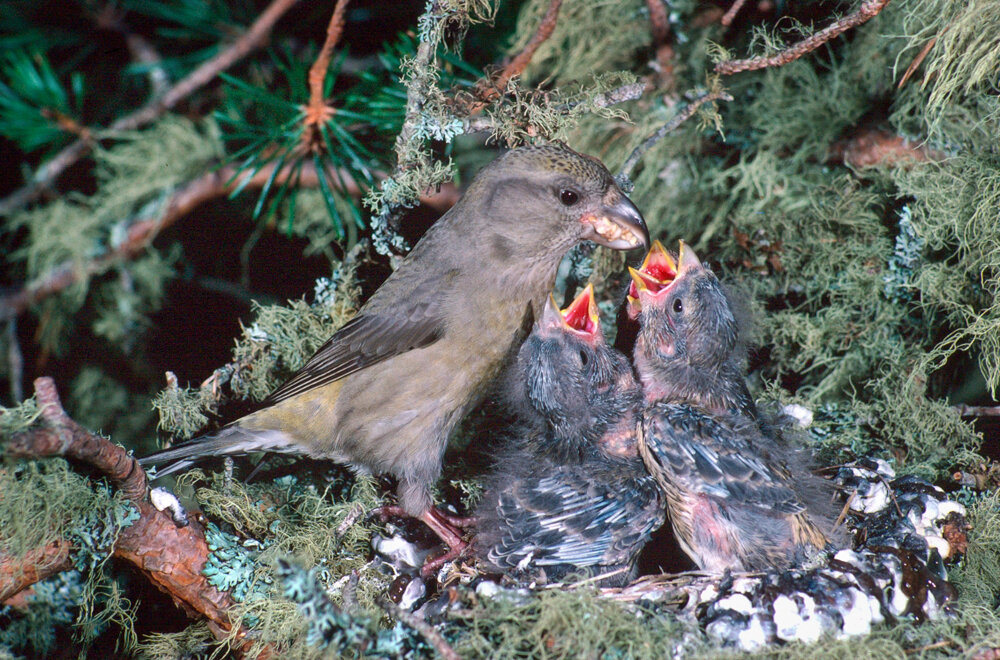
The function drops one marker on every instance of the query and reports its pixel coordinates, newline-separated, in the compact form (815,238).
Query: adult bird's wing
(696,453)
(368,338)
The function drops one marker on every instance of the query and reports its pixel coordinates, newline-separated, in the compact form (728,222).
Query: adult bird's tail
(232,440)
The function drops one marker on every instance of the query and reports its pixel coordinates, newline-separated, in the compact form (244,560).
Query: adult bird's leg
(448,528)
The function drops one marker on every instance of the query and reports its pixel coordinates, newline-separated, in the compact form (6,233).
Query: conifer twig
(141,232)
(660,26)
(730,15)
(318,111)
(249,41)
(109,17)
(977,411)
(868,10)
(680,118)
(492,87)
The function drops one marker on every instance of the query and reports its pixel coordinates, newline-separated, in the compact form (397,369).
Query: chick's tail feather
(229,441)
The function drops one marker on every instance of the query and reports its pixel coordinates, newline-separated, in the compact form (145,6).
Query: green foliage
(574,623)
(281,339)
(136,177)
(195,641)
(33,99)
(182,410)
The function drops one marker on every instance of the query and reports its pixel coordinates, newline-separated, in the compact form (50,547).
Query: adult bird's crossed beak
(617,225)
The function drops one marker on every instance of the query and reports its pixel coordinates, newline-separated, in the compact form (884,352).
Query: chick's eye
(583,358)
(568,197)
(678,306)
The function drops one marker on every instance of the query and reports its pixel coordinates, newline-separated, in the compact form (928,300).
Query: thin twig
(318,112)
(730,15)
(15,362)
(109,17)
(660,26)
(426,631)
(249,41)
(680,118)
(977,411)
(868,10)
(488,90)
(142,231)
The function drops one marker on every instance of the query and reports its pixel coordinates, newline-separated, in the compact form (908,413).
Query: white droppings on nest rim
(803,416)
(163,499)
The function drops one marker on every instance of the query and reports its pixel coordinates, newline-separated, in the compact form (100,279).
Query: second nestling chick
(570,492)
(734,501)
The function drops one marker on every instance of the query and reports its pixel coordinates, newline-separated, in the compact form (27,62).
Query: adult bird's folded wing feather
(367,339)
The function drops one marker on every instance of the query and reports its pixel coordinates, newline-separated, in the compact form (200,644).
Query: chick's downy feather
(570,492)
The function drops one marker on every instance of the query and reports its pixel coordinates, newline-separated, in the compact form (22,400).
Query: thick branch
(186,198)
(171,557)
(61,436)
(252,39)
(36,565)
(868,10)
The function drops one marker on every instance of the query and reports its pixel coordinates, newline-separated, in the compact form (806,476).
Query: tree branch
(252,39)
(869,147)
(17,574)
(868,10)
(186,197)
(660,26)
(61,436)
(431,636)
(171,557)
(491,88)
(680,118)
(730,15)
(318,111)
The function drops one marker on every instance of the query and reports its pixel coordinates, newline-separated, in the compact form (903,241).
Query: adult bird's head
(548,198)
(688,344)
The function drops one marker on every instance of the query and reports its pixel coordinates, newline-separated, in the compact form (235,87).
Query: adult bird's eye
(568,197)
(678,306)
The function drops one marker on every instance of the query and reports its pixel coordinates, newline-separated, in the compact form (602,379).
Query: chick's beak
(687,259)
(582,315)
(617,225)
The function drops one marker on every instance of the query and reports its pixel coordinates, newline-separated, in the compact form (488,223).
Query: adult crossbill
(571,492)
(386,391)
(732,498)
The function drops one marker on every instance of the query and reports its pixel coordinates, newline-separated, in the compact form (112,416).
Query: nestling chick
(386,391)
(731,497)
(571,494)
